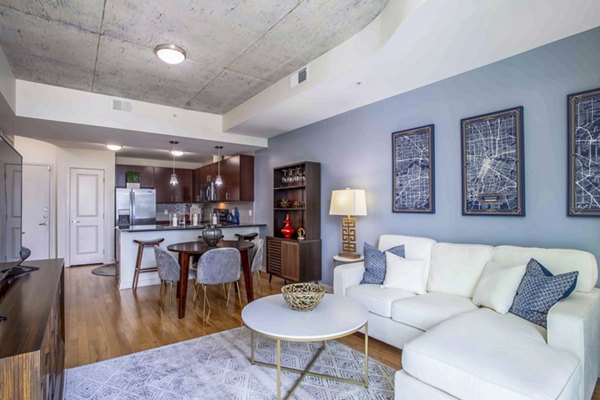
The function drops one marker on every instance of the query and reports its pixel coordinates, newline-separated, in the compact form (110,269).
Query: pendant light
(218,179)
(173,181)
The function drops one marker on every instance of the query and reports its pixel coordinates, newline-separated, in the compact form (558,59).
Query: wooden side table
(339,260)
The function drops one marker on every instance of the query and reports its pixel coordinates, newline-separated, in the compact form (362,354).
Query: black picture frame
(493,164)
(583,182)
(420,164)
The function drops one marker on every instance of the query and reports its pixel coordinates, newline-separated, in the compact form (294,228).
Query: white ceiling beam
(431,40)
(7,82)
(52,103)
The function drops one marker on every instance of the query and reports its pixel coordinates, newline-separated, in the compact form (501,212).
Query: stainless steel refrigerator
(135,207)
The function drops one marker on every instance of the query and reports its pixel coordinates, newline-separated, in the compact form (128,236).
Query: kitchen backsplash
(246,210)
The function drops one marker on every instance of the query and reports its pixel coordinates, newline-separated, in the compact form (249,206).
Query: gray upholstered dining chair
(257,261)
(216,267)
(168,271)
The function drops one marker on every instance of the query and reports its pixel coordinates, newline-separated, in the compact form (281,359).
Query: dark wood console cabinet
(32,349)
(294,259)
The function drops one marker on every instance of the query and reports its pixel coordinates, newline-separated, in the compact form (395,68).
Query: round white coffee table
(334,317)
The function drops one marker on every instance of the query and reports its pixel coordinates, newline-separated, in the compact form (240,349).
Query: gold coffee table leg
(278,369)
(252,347)
(367,355)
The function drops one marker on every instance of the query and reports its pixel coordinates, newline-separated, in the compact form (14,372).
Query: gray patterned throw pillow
(375,263)
(539,291)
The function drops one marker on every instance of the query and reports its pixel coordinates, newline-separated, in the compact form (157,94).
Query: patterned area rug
(218,367)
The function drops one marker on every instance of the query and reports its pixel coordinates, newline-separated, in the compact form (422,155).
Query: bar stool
(142,244)
(249,236)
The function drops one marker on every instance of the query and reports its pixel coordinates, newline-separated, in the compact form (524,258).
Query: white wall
(62,160)
(38,152)
(78,158)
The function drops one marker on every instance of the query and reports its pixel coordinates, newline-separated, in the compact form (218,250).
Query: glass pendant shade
(174,181)
(219,179)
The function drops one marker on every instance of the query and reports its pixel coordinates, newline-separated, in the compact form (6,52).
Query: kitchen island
(126,249)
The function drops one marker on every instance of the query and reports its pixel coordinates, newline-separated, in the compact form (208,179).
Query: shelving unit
(290,258)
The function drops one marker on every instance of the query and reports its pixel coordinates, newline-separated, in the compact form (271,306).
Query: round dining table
(186,250)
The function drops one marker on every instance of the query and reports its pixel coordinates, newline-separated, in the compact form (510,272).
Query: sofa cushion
(558,261)
(416,248)
(539,291)
(485,355)
(498,286)
(378,300)
(456,268)
(405,274)
(429,309)
(375,263)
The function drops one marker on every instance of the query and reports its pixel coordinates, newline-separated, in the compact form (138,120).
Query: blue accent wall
(354,150)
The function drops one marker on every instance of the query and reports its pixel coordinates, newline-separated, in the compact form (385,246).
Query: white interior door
(12,233)
(36,200)
(86,216)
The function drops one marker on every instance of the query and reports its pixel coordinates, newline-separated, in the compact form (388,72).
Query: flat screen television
(11,181)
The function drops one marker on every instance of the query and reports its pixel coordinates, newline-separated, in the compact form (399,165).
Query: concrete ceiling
(235,48)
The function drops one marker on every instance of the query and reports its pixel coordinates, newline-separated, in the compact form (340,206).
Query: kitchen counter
(154,228)
(127,248)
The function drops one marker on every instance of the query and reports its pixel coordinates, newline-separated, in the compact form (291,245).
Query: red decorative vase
(287,231)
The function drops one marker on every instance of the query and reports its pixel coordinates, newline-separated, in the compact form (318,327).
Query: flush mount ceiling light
(177,153)
(114,147)
(170,53)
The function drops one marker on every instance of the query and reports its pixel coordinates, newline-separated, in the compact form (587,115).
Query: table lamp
(350,203)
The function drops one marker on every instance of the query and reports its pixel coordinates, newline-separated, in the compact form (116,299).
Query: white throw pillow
(405,274)
(498,286)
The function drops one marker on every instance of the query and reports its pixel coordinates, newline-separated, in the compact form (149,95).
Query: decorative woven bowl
(303,296)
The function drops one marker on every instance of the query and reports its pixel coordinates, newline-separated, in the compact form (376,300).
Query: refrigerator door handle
(132,206)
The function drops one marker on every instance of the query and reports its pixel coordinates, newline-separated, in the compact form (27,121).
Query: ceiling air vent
(122,105)
(299,77)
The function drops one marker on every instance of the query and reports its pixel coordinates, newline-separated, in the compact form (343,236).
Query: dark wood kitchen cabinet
(238,179)
(159,178)
(165,192)
(146,175)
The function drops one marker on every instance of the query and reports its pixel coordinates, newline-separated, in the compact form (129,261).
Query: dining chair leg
(224,291)
(259,284)
(170,294)
(237,286)
(205,302)
(160,296)
(228,293)
(195,292)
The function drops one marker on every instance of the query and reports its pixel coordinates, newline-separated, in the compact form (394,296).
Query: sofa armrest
(347,275)
(574,325)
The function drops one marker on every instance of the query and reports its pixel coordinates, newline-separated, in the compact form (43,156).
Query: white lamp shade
(348,202)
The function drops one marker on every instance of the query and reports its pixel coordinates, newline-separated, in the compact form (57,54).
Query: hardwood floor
(103,322)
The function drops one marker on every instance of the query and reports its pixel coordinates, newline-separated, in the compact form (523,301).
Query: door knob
(43,223)
(74,221)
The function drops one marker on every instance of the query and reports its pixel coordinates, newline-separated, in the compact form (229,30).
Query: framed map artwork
(413,170)
(583,121)
(493,181)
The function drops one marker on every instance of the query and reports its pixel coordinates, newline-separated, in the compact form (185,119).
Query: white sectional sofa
(454,349)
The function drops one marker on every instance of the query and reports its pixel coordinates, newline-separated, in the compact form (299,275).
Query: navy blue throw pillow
(375,263)
(539,291)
